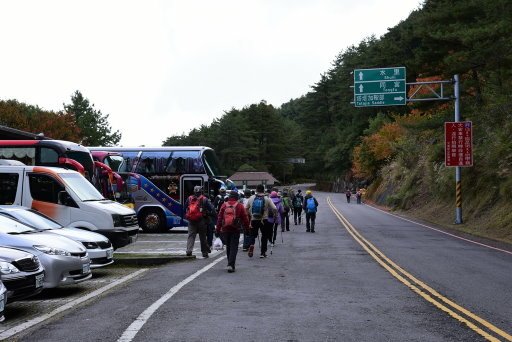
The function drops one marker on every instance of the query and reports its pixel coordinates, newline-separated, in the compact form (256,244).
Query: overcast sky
(161,68)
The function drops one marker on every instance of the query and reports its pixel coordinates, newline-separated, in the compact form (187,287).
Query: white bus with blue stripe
(160,179)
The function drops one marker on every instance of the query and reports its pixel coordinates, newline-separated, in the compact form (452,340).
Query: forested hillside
(398,151)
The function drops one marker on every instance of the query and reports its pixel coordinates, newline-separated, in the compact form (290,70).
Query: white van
(68,198)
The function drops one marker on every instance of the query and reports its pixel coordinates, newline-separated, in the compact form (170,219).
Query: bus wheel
(152,221)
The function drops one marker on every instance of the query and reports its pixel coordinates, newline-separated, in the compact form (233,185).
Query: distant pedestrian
(231,220)
(277,219)
(258,208)
(348,194)
(220,199)
(298,201)
(247,233)
(310,207)
(287,208)
(358,196)
(198,208)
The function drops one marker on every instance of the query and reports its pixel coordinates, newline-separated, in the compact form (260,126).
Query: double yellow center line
(476,323)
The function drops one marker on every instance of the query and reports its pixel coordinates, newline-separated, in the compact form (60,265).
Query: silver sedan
(65,261)
(99,248)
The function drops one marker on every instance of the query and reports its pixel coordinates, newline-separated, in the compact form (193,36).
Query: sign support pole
(458,191)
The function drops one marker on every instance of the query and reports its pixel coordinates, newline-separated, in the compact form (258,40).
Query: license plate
(86,268)
(110,253)
(39,280)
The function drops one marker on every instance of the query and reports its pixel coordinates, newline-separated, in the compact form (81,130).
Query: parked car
(65,261)
(99,248)
(21,272)
(68,198)
(3,300)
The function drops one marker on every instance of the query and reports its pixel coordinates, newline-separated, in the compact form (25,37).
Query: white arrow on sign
(400,98)
(360,76)
(361,88)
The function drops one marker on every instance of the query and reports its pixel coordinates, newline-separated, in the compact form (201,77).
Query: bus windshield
(212,163)
(81,187)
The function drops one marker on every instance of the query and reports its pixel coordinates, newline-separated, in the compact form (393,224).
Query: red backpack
(229,219)
(195,208)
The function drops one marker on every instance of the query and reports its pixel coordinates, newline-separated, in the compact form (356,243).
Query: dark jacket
(305,203)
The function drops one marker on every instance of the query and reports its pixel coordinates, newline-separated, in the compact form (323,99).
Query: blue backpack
(310,205)
(258,206)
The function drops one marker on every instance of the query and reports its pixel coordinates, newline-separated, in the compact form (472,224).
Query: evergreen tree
(94,125)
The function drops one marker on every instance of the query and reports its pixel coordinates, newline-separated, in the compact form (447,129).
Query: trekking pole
(282,241)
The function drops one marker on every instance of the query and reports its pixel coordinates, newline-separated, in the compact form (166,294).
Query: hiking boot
(312,231)
(263,256)
(245,249)
(307,230)
(205,255)
(231,269)
(251,251)
(189,253)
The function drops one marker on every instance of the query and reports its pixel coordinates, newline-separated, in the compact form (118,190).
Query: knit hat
(273,194)
(308,192)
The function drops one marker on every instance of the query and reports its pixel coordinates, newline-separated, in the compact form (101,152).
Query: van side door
(46,196)
(11,186)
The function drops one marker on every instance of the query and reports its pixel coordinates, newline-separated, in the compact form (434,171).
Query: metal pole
(458,192)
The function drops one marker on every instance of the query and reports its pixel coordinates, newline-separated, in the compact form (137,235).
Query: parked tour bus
(65,154)
(68,198)
(160,179)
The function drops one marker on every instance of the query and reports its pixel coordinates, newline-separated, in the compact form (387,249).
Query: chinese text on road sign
(379,87)
(458,138)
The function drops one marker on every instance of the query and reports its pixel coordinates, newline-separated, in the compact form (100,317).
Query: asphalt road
(374,277)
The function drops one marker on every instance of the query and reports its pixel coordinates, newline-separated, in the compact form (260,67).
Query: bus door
(187,188)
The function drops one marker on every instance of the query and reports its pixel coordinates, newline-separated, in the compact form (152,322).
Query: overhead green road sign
(379,87)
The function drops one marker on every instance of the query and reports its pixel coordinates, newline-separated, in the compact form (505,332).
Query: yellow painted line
(392,268)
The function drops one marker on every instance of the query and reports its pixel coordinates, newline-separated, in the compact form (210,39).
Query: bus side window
(8,188)
(26,155)
(48,156)
(44,188)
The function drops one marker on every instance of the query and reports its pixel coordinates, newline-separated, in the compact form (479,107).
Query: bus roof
(145,149)
(67,145)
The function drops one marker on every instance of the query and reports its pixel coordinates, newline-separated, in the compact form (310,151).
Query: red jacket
(241,216)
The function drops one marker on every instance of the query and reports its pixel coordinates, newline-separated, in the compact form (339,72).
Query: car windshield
(33,218)
(11,226)
(81,187)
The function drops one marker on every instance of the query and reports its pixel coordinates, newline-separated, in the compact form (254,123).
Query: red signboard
(458,142)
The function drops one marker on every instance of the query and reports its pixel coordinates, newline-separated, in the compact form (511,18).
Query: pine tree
(93,123)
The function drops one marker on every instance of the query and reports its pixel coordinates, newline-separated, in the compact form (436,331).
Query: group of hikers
(228,215)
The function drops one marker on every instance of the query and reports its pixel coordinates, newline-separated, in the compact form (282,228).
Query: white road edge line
(14,330)
(133,329)
(440,231)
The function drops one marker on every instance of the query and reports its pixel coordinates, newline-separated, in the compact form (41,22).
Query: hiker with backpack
(258,208)
(348,194)
(287,207)
(220,199)
(198,208)
(247,234)
(275,220)
(298,201)
(231,220)
(310,207)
